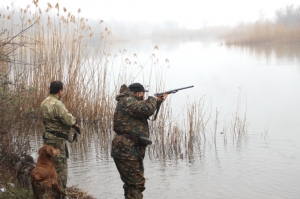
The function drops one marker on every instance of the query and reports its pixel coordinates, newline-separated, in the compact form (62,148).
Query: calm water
(262,164)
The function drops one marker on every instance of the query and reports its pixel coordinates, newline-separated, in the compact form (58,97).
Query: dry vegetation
(264,33)
(284,30)
(76,193)
(62,46)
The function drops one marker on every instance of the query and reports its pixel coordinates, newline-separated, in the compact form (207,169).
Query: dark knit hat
(137,87)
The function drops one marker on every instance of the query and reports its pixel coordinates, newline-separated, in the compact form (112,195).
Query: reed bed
(62,46)
(62,51)
(263,32)
(55,44)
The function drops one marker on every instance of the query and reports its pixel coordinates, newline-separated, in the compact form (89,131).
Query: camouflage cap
(137,87)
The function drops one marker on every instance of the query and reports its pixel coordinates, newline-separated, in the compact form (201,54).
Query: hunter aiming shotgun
(167,92)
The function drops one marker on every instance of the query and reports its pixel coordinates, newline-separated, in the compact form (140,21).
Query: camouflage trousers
(132,174)
(60,162)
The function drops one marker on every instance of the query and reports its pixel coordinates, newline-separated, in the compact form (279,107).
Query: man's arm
(144,109)
(63,114)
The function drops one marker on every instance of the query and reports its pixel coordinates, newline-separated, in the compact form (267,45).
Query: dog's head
(49,151)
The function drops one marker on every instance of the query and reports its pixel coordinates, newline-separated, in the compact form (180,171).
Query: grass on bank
(14,191)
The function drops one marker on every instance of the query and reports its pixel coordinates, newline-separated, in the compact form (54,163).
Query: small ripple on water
(254,169)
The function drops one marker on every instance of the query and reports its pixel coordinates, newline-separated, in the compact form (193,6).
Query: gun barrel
(172,91)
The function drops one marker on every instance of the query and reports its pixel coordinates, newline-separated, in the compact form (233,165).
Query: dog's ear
(42,150)
(49,151)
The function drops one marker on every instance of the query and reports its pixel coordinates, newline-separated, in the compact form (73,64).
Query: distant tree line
(289,16)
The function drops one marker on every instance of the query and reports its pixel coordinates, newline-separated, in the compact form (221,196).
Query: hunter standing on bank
(58,122)
(130,123)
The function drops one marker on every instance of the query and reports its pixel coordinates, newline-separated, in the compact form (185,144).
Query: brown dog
(44,176)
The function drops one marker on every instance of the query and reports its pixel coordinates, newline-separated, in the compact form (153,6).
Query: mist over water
(256,85)
(263,163)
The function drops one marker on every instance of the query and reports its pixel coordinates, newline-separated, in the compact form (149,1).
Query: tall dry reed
(263,32)
(62,46)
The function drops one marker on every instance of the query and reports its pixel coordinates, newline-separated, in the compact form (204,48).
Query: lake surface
(263,82)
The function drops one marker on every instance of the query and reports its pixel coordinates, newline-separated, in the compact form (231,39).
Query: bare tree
(289,16)
(8,45)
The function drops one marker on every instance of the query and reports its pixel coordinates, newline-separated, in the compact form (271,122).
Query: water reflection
(287,51)
(188,155)
(202,167)
(96,145)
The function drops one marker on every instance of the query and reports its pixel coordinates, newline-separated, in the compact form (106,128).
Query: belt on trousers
(136,139)
(133,138)
(59,134)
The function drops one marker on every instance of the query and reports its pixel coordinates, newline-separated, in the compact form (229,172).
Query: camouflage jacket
(55,116)
(130,117)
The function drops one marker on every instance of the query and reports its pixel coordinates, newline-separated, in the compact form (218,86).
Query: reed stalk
(64,47)
(263,33)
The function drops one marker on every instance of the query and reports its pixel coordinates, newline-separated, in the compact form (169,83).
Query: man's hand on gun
(162,98)
(77,129)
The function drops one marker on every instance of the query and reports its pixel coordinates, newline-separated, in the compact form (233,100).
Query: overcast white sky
(190,13)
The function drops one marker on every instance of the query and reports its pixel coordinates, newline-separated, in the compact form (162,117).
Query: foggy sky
(189,13)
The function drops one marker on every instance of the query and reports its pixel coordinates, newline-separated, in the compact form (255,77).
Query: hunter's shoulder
(50,100)
(152,99)
(59,103)
(131,99)
(125,98)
